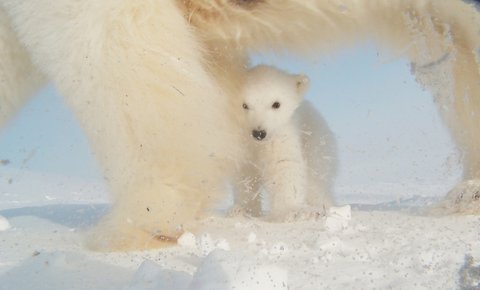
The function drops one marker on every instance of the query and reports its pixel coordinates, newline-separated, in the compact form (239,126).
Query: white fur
(18,78)
(154,84)
(150,110)
(295,161)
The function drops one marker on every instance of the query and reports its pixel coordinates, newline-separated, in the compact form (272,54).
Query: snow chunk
(338,218)
(342,211)
(4,224)
(226,270)
(187,240)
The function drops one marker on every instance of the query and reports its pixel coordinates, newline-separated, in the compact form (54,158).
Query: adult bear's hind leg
(465,197)
(454,80)
(461,111)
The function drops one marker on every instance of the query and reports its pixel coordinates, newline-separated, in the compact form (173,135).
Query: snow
(227,270)
(377,246)
(337,218)
(187,240)
(4,224)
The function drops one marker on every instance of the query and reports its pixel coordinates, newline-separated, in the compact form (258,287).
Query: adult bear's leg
(18,77)
(132,71)
(455,82)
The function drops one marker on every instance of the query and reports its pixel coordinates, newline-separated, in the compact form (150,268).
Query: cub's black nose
(259,134)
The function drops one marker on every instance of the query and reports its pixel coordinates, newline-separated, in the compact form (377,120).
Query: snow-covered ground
(395,160)
(390,245)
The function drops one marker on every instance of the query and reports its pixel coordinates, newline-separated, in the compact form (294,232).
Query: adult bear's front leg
(462,199)
(132,72)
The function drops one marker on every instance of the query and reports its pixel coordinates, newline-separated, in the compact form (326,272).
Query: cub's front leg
(285,177)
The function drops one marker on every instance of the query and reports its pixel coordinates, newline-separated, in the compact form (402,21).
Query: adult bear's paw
(464,198)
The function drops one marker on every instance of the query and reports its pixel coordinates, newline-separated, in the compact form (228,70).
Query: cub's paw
(462,199)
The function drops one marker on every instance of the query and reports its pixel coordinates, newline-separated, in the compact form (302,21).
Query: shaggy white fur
(291,149)
(15,70)
(153,84)
(151,111)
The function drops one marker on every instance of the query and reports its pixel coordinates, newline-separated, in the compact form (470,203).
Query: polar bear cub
(291,151)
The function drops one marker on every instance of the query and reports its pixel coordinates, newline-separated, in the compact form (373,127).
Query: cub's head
(270,97)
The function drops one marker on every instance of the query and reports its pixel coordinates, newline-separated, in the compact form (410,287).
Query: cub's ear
(302,83)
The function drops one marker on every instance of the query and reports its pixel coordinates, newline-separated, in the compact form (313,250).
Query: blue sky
(387,127)
(44,136)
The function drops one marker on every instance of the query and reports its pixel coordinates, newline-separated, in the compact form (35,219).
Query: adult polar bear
(153,83)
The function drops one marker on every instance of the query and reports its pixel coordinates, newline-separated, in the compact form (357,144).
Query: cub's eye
(245,106)
(276,105)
